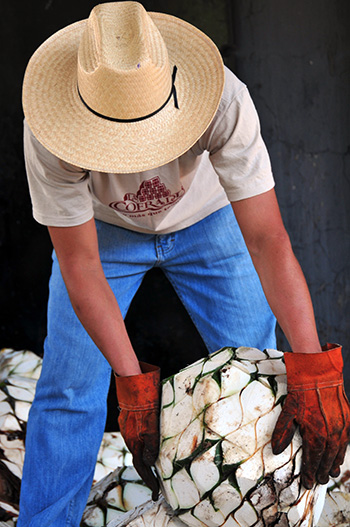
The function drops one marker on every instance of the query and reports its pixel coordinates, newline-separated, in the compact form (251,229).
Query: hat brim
(67,128)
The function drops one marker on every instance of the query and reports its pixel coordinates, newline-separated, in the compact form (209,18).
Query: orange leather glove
(138,398)
(315,401)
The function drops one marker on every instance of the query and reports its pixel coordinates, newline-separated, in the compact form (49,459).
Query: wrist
(310,345)
(128,370)
(307,350)
(126,363)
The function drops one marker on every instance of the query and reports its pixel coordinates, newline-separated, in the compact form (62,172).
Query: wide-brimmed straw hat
(124,90)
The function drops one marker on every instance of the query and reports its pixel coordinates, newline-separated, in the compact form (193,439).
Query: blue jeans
(211,271)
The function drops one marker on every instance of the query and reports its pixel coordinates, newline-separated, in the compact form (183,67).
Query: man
(139,147)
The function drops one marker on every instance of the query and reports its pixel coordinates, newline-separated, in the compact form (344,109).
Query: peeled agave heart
(114,495)
(215,464)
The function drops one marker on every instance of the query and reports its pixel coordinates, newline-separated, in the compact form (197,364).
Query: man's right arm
(97,308)
(91,296)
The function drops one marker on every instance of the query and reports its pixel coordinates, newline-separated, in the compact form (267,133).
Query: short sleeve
(237,150)
(59,191)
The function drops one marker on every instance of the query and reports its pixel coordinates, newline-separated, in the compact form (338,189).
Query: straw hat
(123,91)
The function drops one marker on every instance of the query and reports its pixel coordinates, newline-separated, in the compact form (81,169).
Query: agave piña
(114,495)
(18,374)
(215,463)
(113,453)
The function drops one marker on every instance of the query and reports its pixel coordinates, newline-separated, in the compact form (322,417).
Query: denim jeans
(211,271)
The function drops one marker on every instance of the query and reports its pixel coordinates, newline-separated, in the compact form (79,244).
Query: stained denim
(212,273)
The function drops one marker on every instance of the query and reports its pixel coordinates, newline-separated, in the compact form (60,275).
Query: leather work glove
(138,398)
(315,401)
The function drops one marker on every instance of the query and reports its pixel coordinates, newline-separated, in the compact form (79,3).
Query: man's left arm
(316,401)
(279,271)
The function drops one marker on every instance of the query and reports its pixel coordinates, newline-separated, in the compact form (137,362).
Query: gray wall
(294,57)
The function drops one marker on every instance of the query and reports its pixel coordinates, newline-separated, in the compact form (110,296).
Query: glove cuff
(314,370)
(139,392)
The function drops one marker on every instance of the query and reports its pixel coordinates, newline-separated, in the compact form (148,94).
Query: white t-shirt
(228,163)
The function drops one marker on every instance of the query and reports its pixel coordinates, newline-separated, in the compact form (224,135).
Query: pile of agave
(215,464)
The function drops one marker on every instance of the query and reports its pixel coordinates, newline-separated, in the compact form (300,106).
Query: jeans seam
(69,515)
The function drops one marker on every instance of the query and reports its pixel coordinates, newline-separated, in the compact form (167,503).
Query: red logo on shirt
(151,196)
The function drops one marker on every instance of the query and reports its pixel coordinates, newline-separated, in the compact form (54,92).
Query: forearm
(96,307)
(287,293)
(280,274)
